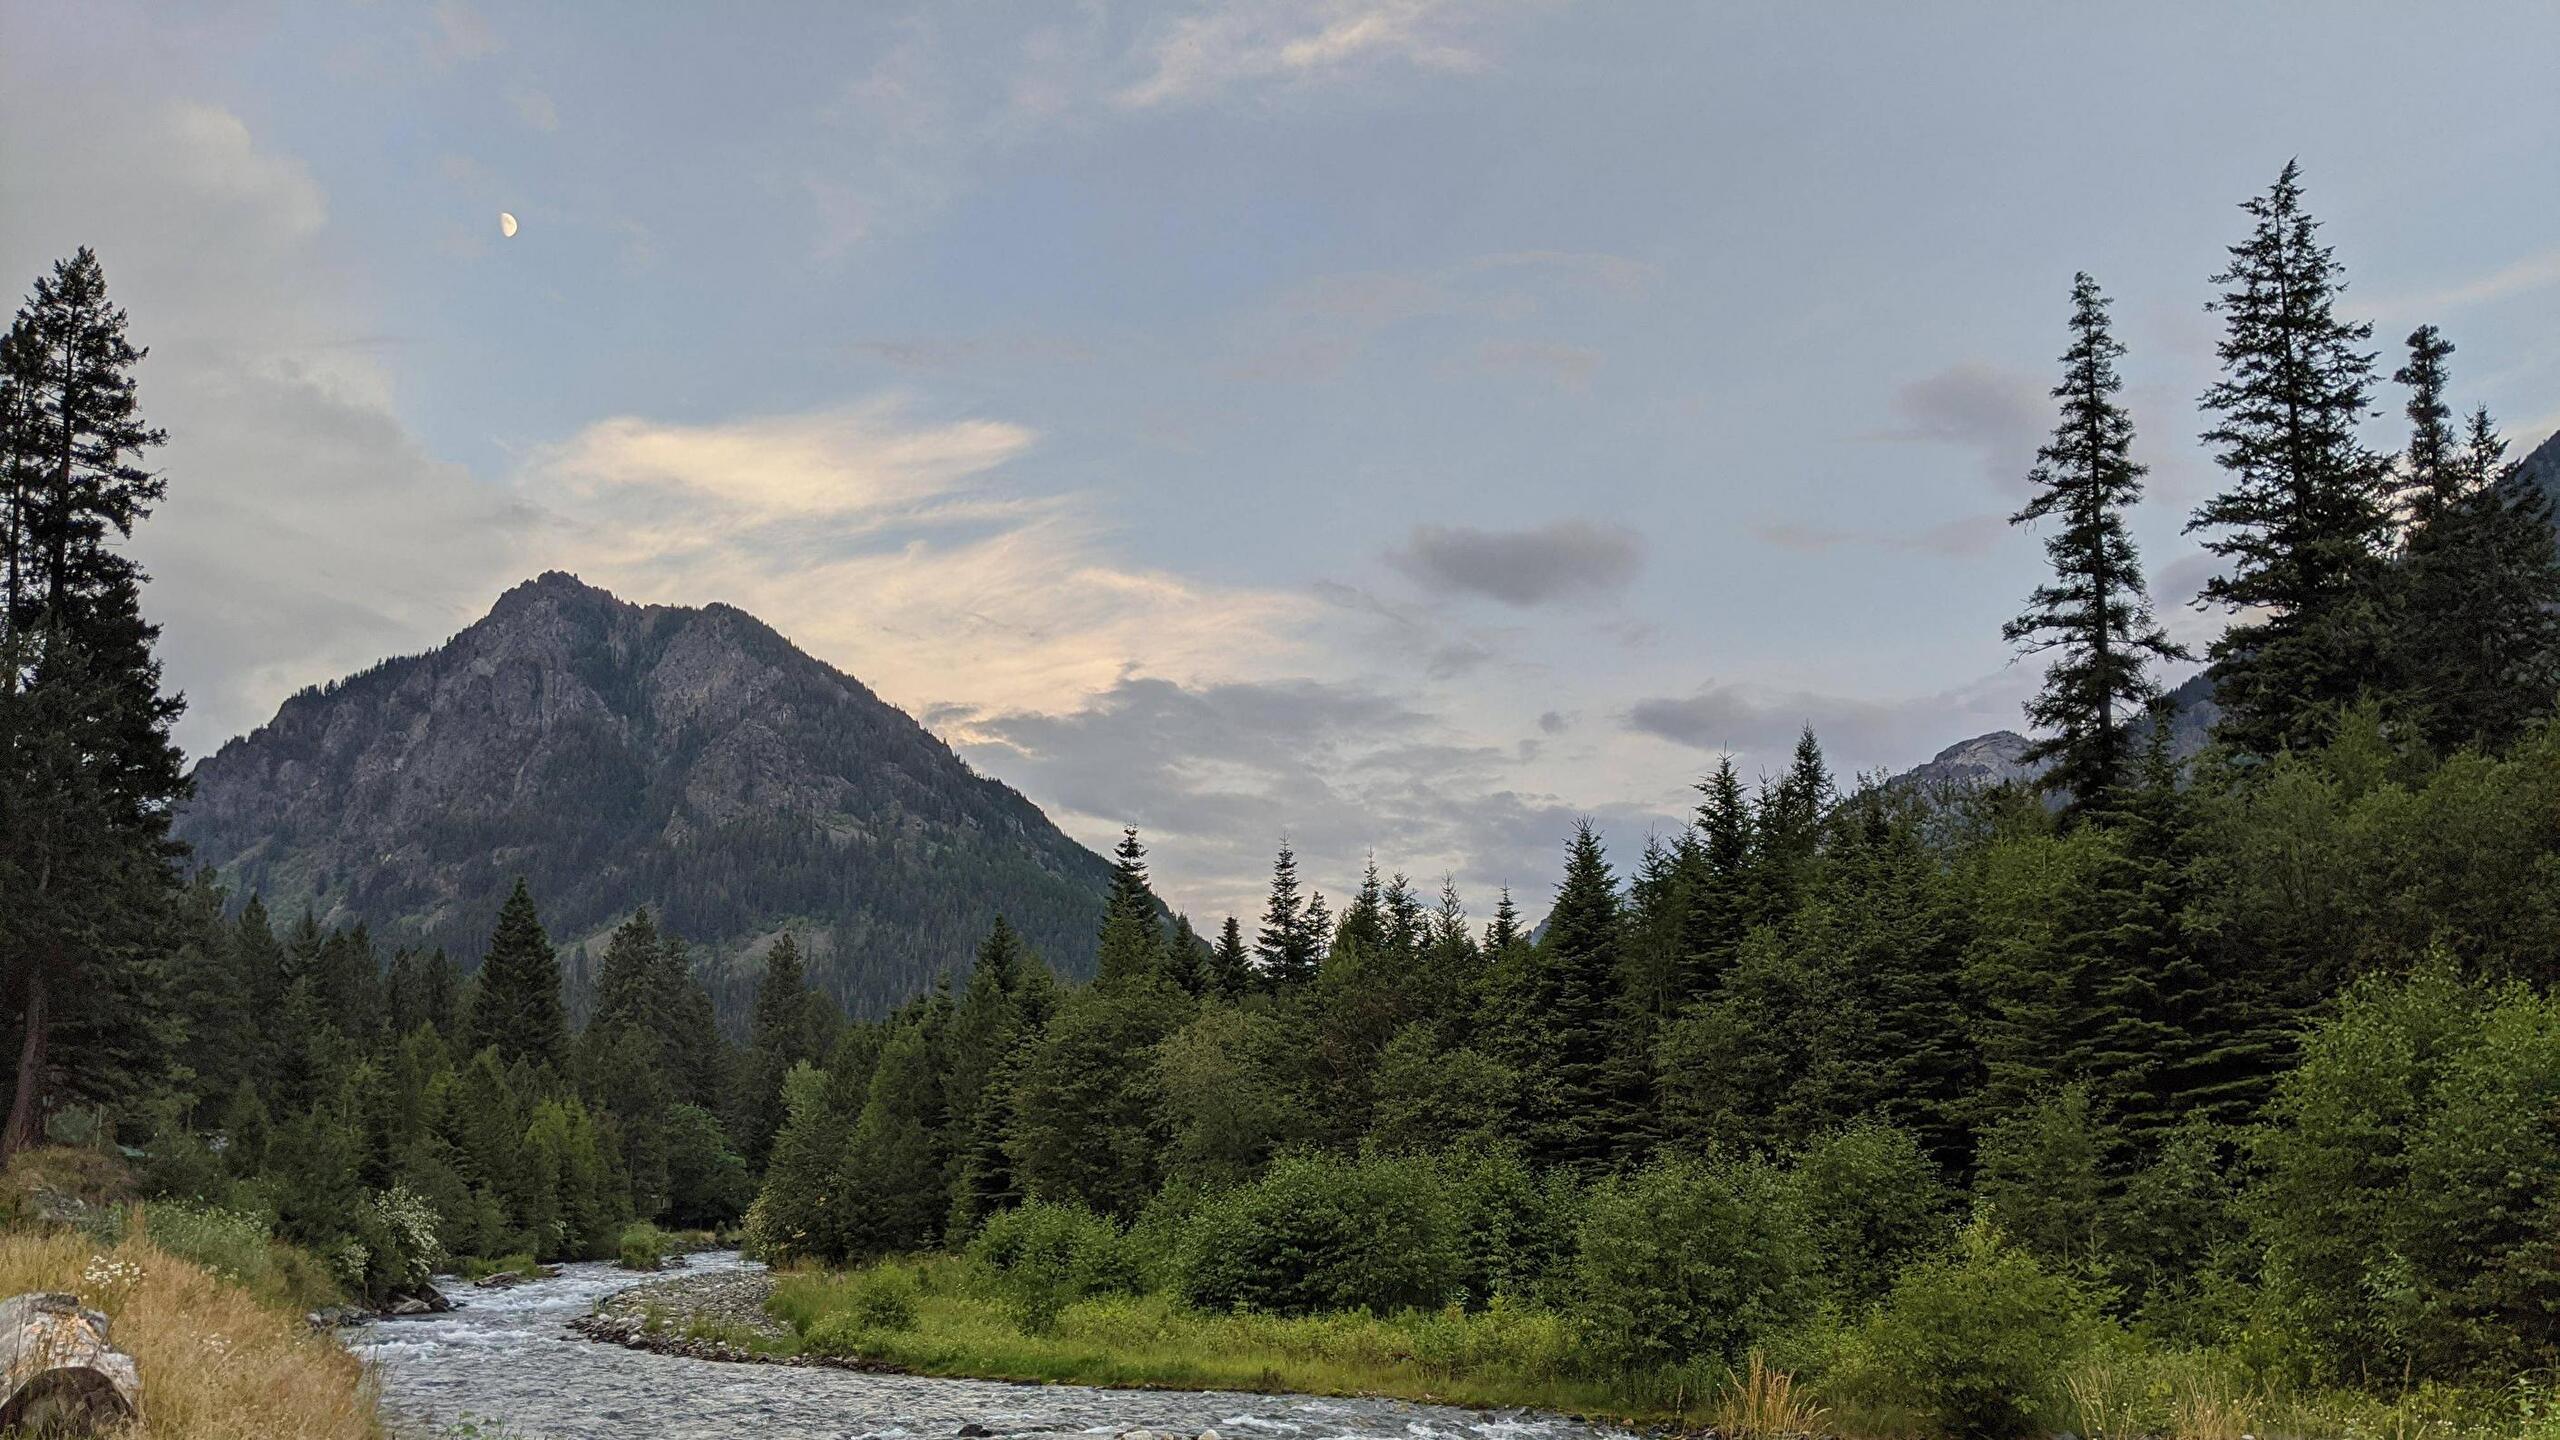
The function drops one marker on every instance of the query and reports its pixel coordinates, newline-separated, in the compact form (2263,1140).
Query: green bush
(875,1301)
(1512,1229)
(1321,1232)
(1975,1343)
(1873,1202)
(1686,1260)
(1047,1256)
(644,1246)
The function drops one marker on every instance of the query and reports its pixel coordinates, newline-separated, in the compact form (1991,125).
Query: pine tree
(1132,944)
(2094,616)
(2303,521)
(516,1006)
(1562,1041)
(2480,641)
(1503,931)
(1231,967)
(2431,468)
(90,776)
(1719,902)
(897,1167)
(1786,832)
(1285,948)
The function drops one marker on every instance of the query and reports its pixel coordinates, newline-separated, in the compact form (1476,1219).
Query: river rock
(58,1369)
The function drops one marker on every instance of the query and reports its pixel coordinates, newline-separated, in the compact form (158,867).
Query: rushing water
(508,1362)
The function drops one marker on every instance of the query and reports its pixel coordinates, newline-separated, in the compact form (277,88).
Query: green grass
(962,1324)
(480,1267)
(644,1246)
(948,1315)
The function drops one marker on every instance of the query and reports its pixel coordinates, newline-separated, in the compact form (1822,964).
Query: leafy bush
(644,1246)
(1047,1256)
(1512,1229)
(398,1228)
(1976,1343)
(1321,1232)
(1872,1203)
(873,1302)
(1685,1260)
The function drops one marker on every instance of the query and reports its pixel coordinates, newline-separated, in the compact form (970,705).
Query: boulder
(58,1372)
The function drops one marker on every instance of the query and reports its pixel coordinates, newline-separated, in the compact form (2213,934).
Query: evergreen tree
(515,1007)
(2480,641)
(1504,930)
(88,775)
(1718,861)
(897,1167)
(2303,520)
(1132,944)
(2094,616)
(1286,948)
(1231,965)
(2431,468)
(1560,1034)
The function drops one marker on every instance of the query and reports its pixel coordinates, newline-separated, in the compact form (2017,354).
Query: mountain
(619,755)
(2542,467)
(2000,757)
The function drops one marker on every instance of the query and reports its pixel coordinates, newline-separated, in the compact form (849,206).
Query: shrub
(1684,1260)
(643,1247)
(875,1301)
(1046,1256)
(1977,1342)
(1320,1232)
(1872,1203)
(398,1228)
(1512,1229)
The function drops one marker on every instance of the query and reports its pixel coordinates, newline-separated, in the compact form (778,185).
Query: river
(507,1363)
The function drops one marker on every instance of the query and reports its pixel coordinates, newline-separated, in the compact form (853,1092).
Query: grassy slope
(216,1362)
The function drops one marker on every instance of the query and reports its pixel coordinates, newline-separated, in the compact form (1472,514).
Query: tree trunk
(26,1115)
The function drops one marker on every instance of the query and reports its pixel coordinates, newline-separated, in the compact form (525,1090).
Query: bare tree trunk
(26,1116)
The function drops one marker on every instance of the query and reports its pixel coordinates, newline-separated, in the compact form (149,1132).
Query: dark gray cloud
(1556,561)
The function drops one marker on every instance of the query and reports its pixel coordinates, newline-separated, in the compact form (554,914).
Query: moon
(506,224)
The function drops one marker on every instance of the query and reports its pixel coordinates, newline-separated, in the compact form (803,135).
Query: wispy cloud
(2520,277)
(1202,55)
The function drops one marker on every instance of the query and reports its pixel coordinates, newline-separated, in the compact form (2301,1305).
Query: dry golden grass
(1767,1404)
(215,1363)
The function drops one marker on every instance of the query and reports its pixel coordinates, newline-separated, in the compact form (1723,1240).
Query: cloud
(2533,272)
(2002,415)
(1214,776)
(1201,56)
(1559,560)
(1314,329)
(306,533)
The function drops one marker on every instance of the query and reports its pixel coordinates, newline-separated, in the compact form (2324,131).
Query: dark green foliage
(1089,1119)
(2410,1179)
(1288,947)
(2302,522)
(1686,1259)
(1872,1203)
(515,1005)
(1319,1233)
(1049,1256)
(1977,1343)
(1557,1018)
(2478,649)
(2094,615)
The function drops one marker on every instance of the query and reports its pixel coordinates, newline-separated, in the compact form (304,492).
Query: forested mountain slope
(617,755)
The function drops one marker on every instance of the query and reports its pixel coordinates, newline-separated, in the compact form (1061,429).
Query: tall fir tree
(2479,639)
(516,1005)
(2094,616)
(1231,964)
(1286,949)
(2303,521)
(91,776)
(1132,946)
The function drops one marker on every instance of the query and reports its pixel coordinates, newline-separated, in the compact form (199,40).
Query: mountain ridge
(687,758)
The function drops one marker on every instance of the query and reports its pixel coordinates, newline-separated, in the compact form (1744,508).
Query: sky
(1396,426)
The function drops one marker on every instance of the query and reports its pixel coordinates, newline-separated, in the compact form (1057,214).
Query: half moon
(506,224)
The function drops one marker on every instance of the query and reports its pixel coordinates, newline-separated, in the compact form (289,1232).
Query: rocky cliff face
(617,755)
